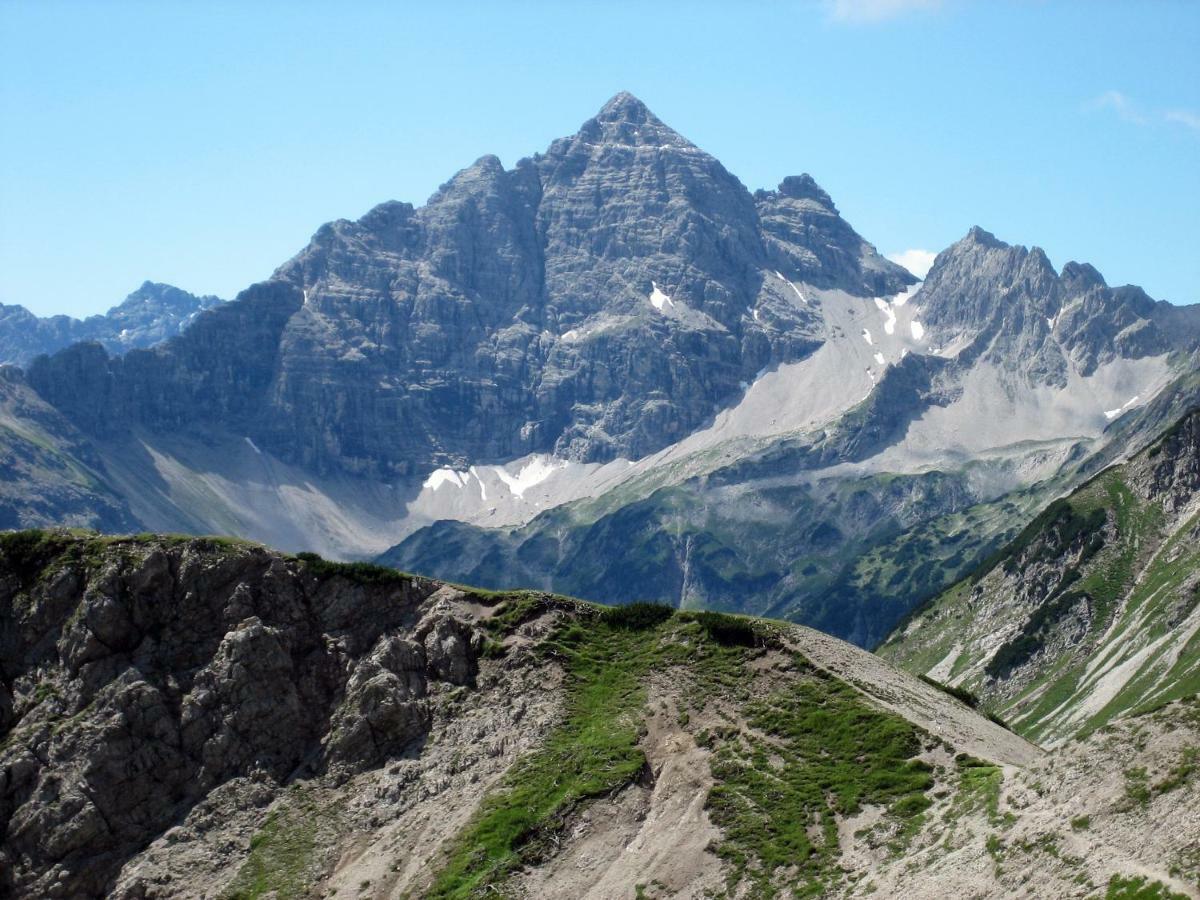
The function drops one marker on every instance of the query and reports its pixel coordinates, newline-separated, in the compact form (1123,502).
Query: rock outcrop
(140,675)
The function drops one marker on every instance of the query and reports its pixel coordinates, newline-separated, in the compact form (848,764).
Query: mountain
(891,495)
(612,370)
(598,300)
(49,472)
(1092,611)
(183,717)
(148,316)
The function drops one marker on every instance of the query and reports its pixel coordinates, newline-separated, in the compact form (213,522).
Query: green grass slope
(1089,613)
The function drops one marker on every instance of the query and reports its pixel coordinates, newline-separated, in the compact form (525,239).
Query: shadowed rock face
(594,301)
(170,668)
(48,470)
(148,316)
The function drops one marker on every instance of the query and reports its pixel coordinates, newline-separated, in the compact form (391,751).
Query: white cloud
(1120,104)
(1133,112)
(916,261)
(867,12)
(1183,117)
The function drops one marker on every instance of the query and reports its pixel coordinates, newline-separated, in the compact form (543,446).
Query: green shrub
(636,616)
(729,631)
(27,553)
(960,694)
(358,572)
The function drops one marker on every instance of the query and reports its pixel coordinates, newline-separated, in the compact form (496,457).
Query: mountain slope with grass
(1092,611)
(185,716)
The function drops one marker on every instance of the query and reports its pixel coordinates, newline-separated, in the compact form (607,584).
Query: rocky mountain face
(944,452)
(1007,305)
(200,717)
(1092,611)
(148,316)
(614,371)
(602,299)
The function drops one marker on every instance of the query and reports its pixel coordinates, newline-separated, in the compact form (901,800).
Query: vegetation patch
(1032,635)
(284,856)
(979,785)
(1181,772)
(958,693)
(27,553)
(1137,786)
(1061,520)
(636,616)
(730,631)
(591,754)
(832,754)
(358,572)
(1139,888)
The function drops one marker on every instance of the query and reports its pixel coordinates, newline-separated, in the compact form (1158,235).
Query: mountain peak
(805,187)
(982,237)
(624,107)
(627,120)
(1082,276)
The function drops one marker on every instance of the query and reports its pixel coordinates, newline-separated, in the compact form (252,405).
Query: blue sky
(203,143)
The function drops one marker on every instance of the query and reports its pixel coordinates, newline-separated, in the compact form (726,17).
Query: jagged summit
(627,120)
(625,107)
(805,187)
(1083,275)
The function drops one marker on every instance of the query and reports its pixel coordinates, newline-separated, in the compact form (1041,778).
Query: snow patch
(879,359)
(918,330)
(658,299)
(1111,414)
(889,321)
(532,473)
(867,336)
(792,286)
(445,475)
(482,487)
(755,315)
(572,335)
(253,446)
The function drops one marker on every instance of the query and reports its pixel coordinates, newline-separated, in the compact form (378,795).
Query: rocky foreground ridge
(191,717)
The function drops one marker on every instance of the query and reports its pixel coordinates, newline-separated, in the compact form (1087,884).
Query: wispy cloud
(869,12)
(1120,104)
(1184,117)
(916,261)
(1130,111)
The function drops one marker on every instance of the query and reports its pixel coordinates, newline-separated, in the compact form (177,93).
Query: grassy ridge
(831,751)
(813,752)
